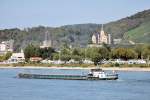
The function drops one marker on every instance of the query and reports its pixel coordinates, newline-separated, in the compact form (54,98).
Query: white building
(6,46)
(86,61)
(117,41)
(138,61)
(17,57)
(94,39)
(2,47)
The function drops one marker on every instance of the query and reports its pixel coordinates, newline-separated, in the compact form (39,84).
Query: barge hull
(63,77)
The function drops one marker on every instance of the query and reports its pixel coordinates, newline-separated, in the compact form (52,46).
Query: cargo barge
(94,74)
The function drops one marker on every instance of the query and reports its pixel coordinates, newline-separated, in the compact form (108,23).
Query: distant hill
(140,34)
(134,28)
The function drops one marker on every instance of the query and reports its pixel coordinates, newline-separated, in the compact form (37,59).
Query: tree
(46,52)
(7,55)
(65,50)
(33,51)
(2,58)
(96,57)
(104,52)
(106,46)
(138,49)
(75,52)
(123,53)
(65,58)
(96,54)
(30,51)
(146,52)
(131,54)
(55,56)
(77,58)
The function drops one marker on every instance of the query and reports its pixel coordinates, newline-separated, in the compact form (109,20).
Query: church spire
(102,27)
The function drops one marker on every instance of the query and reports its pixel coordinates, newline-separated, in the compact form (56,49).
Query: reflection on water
(129,86)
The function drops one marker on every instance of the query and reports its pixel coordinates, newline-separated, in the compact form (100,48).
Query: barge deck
(65,77)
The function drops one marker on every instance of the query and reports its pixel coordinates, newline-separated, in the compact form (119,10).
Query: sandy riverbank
(127,69)
(104,68)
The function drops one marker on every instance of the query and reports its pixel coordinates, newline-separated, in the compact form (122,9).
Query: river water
(129,86)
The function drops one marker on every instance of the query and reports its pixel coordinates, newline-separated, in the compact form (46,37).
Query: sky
(55,13)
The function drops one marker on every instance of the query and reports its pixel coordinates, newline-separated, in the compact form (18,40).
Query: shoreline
(74,68)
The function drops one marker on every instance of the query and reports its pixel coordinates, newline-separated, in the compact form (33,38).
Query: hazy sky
(29,13)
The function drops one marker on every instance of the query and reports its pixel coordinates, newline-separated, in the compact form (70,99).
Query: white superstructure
(101,75)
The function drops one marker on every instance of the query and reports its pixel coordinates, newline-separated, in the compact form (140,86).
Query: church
(101,37)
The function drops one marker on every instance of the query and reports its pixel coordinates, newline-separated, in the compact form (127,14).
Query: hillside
(135,27)
(140,34)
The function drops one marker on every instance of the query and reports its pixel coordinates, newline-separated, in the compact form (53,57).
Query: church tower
(47,42)
(103,36)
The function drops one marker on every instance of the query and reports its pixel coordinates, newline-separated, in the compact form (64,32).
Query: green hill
(140,34)
(135,28)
